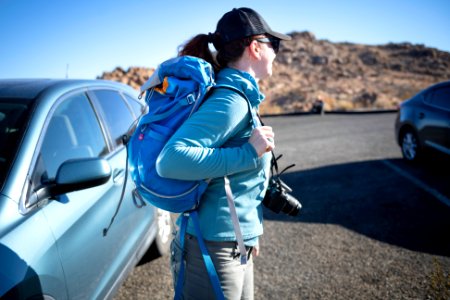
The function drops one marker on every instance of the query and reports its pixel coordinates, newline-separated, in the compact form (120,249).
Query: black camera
(277,197)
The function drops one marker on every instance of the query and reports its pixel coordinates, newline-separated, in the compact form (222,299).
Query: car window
(13,119)
(136,106)
(72,132)
(116,114)
(441,98)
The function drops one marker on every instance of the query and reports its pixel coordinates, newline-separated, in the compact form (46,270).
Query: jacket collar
(243,81)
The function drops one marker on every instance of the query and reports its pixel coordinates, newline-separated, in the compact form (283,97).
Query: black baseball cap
(244,22)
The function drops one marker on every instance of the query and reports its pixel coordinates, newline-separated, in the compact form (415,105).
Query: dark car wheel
(410,146)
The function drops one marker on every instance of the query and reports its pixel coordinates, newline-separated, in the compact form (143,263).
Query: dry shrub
(344,105)
(439,285)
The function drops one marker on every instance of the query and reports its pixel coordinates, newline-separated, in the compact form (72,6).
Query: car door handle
(421,115)
(118,176)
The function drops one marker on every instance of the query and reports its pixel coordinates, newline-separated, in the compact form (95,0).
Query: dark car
(423,122)
(62,171)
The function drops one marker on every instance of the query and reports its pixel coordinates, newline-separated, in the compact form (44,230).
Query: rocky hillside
(343,76)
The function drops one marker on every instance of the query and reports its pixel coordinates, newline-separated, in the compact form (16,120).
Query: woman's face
(263,67)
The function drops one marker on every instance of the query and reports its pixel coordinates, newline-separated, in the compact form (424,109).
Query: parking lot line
(418,183)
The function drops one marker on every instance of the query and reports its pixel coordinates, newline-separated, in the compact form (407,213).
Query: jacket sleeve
(196,149)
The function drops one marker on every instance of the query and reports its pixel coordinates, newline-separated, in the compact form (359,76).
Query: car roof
(31,88)
(24,88)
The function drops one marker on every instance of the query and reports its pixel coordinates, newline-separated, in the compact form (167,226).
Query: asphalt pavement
(372,226)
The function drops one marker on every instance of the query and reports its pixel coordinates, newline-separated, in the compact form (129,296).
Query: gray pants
(236,280)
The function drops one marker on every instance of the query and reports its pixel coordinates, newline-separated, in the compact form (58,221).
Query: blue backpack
(173,93)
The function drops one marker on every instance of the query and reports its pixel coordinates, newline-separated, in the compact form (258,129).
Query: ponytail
(198,46)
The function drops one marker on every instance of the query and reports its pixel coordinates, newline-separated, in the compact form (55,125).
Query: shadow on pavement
(372,199)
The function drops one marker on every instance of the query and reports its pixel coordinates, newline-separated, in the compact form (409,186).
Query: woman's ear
(254,50)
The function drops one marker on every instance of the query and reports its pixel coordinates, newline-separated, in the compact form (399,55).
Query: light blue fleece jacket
(213,143)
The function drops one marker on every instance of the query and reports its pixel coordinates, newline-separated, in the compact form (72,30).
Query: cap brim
(280,35)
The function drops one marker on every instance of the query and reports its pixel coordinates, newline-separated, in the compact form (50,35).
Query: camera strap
(274,164)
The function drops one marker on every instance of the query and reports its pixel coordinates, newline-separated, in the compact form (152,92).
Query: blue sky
(84,38)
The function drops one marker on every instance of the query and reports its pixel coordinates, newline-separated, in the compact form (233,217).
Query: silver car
(62,172)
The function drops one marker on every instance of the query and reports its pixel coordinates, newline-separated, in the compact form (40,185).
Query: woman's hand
(255,251)
(262,139)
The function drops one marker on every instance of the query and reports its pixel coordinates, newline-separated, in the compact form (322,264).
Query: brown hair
(198,46)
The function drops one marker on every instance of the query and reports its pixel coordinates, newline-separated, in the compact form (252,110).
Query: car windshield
(13,116)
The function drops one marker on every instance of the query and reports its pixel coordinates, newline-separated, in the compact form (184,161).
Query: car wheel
(161,244)
(164,235)
(410,146)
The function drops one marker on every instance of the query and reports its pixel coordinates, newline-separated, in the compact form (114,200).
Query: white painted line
(419,183)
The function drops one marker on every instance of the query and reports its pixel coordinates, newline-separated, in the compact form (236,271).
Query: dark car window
(440,98)
(116,113)
(13,116)
(73,132)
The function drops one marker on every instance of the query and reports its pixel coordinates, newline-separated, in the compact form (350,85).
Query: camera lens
(277,199)
(291,205)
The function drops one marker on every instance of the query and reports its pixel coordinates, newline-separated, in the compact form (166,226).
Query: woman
(220,140)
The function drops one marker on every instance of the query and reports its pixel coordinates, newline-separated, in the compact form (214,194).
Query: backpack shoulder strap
(254,117)
(228,191)
(213,276)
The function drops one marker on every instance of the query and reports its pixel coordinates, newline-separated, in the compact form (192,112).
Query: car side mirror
(79,174)
(72,175)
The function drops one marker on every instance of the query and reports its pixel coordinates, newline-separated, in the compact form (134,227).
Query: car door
(437,130)
(92,262)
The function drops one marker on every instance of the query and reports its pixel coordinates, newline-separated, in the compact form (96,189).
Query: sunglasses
(273,41)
